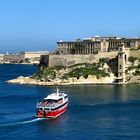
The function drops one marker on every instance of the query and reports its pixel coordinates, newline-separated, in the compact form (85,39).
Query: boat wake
(31,121)
(22,122)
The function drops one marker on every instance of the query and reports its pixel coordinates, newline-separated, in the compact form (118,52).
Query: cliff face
(133,70)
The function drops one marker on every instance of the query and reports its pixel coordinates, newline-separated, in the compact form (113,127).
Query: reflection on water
(103,94)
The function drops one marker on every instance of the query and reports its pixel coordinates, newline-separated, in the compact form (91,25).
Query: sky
(31,25)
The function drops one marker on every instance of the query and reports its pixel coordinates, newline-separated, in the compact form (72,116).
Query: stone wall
(31,55)
(68,60)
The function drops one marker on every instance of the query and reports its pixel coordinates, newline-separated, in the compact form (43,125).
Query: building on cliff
(96,44)
(89,50)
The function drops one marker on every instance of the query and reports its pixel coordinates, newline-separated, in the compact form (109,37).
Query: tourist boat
(53,105)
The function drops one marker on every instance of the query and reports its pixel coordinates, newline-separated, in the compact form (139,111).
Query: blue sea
(95,112)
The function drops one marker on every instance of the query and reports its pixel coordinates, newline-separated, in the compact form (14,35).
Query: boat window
(60,99)
(49,100)
(45,100)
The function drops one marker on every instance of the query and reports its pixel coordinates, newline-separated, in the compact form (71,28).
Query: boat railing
(47,105)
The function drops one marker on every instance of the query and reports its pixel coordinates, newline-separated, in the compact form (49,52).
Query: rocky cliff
(83,73)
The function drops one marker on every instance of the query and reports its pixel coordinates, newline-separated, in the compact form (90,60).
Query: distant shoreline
(17,64)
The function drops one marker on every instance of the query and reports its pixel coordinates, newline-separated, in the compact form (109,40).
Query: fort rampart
(68,60)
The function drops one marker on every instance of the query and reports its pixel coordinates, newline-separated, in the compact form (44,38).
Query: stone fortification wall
(68,60)
(31,55)
(34,55)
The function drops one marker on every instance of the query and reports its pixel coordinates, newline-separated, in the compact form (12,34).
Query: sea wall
(69,59)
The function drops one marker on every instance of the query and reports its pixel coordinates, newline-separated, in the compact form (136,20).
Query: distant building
(13,58)
(24,57)
(1,57)
(95,44)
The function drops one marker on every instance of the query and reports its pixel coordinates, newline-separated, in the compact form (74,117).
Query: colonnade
(82,48)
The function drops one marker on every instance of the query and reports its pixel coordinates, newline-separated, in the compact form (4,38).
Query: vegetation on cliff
(134,66)
(133,70)
(85,70)
(75,71)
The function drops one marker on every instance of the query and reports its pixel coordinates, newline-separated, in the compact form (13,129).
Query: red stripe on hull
(51,114)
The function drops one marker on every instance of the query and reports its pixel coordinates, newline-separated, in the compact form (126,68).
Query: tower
(121,63)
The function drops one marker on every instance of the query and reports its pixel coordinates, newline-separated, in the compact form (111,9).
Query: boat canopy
(55,96)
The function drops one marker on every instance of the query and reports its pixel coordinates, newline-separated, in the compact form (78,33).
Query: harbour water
(100,112)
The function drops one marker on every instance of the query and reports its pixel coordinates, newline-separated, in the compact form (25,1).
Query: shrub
(137,73)
(59,67)
(104,60)
(138,66)
(132,59)
(85,72)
